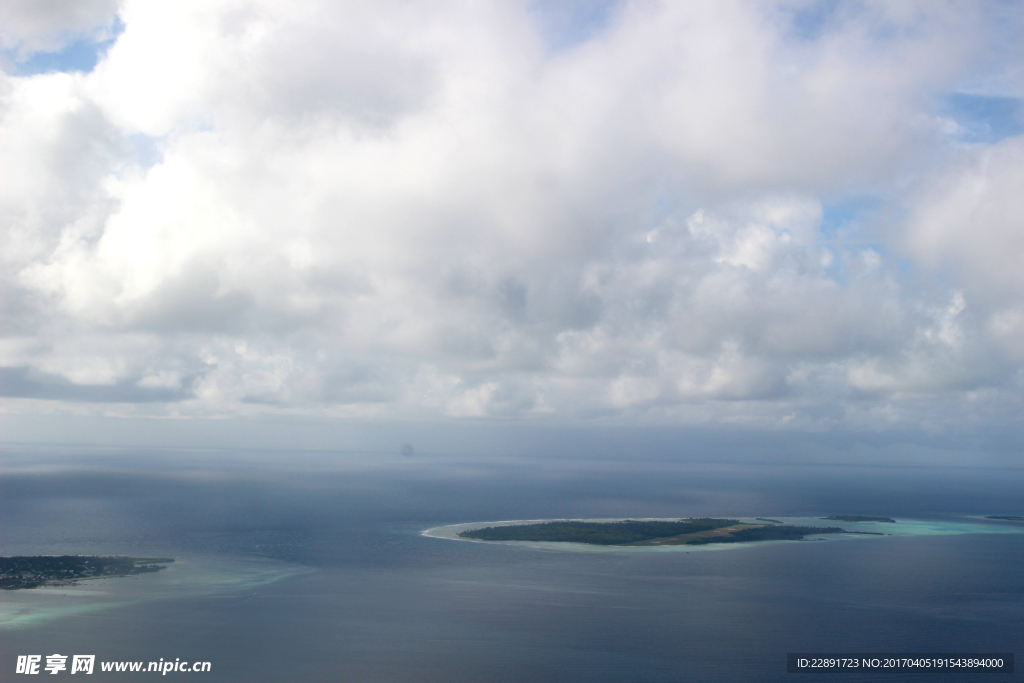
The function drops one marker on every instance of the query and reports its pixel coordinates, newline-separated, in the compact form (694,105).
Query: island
(1008,518)
(859,518)
(59,570)
(630,532)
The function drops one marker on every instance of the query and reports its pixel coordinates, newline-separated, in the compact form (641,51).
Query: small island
(60,570)
(859,518)
(1007,518)
(638,533)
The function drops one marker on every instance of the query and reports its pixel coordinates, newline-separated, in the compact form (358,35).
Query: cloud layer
(689,212)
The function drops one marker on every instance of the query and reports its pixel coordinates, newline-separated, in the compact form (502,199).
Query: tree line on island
(37,570)
(700,531)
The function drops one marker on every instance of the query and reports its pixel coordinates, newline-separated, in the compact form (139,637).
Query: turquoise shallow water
(184,578)
(901,528)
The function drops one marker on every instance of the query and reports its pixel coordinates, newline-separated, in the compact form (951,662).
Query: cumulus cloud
(486,209)
(968,223)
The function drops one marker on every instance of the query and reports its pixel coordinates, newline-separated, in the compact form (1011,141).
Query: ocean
(313,566)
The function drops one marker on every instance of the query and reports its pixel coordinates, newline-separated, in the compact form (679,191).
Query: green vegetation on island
(50,570)
(1008,518)
(768,519)
(631,532)
(596,533)
(859,518)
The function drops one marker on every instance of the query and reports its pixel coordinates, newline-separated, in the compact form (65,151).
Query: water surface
(316,568)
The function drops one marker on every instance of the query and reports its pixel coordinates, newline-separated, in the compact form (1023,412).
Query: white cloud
(394,210)
(969,219)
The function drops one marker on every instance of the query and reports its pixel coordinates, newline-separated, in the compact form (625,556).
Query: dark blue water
(383,603)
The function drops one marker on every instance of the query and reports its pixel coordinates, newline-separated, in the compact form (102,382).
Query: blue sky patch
(985,118)
(567,23)
(840,214)
(82,55)
(810,22)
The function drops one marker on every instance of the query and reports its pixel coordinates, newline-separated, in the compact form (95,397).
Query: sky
(790,218)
